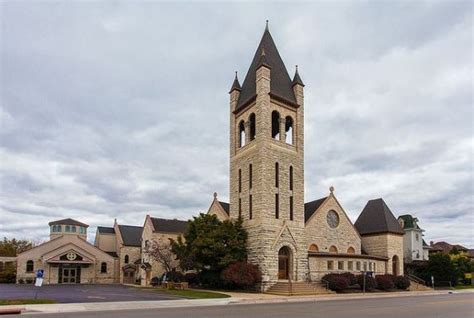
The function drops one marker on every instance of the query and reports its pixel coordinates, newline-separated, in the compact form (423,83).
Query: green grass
(464,287)
(5,302)
(189,293)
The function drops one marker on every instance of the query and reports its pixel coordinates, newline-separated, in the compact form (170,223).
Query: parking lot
(80,293)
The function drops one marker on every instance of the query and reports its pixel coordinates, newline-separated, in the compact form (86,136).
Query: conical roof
(377,218)
(280,82)
(235,84)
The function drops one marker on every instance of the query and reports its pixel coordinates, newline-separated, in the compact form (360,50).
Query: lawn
(464,287)
(5,302)
(190,293)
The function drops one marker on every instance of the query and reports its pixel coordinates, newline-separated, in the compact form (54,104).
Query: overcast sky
(120,109)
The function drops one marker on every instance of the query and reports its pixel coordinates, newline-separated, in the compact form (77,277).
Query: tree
(209,246)
(161,252)
(462,264)
(441,268)
(13,247)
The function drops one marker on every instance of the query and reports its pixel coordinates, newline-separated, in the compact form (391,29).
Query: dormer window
(83,230)
(56,228)
(68,228)
(73,228)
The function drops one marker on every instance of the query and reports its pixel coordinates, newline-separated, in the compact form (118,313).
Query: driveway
(80,293)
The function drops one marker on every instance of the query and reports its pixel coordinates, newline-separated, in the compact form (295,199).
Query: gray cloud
(121,109)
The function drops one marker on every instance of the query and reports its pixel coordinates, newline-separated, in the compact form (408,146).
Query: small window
(365,266)
(350,250)
(83,230)
(252,123)
(358,266)
(250,176)
(250,206)
(291,178)
(370,266)
(275,125)
(240,207)
(333,249)
(375,268)
(240,180)
(417,237)
(277,177)
(73,229)
(126,259)
(103,267)
(350,265)
(313,248)
(291,208)
(241,134)
(340,265)
(330,265)
(68,228)
(30,266)
(277,206)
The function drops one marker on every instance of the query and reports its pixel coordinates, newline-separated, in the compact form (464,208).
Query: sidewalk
(235,299)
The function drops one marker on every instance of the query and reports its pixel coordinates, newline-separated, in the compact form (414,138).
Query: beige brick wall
(320,233)
(386,245)
(319,266)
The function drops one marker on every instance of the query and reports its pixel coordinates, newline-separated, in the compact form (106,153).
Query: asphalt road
(442,306)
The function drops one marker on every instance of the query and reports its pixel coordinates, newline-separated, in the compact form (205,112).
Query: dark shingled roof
(225,206)
(131,235)
(235,84)
(297,78)
(376,218)
(105,230)
(311,207)
(68,222)
(280,82)
(113,254)
(166,225)
(409,222)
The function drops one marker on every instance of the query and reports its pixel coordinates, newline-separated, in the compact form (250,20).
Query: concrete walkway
(235,299)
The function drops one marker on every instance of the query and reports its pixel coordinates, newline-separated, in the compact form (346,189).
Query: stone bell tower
(267,164)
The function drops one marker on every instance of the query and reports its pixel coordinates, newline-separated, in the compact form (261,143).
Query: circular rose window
(332,218)
(71,256)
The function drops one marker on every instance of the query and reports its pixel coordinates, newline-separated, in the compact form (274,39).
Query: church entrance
(284,257)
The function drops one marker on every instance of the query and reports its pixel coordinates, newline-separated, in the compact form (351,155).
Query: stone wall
(320,266)
(386,245)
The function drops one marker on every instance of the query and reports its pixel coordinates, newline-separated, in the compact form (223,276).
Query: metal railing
(326,283)
(416,279)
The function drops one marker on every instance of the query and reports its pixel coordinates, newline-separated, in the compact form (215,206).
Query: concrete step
(298,288)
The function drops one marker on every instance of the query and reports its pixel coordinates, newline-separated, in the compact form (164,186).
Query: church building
(289,238)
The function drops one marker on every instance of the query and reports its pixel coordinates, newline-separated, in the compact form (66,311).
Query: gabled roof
(377,218)
(131,235)
(105,230)
(68,222)
(311,207)
(225,206)
(280,82)
(170,226)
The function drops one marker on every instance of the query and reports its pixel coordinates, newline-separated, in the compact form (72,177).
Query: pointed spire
(266,26)
(263,59)
(297,78)
(235,84)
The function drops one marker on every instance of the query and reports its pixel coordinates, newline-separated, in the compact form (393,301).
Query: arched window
(289,130)
(126,259)
(240,207)
(277,206)
(351,250)
(30,266)
(250,206)
(395,265)
(291,178)
(333,249)
(241,134)
(291,208)
(313,248)
(276,125)
(103,267)
(253,129)
(277,181)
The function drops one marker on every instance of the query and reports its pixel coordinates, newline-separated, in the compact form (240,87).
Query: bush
(29,281)
(350,277)
(21,281)
(209,279)
(191,278)
(155,281)
(175,277)
(241,275)
(370,283)
(337,282)
(385,282)
(401,282)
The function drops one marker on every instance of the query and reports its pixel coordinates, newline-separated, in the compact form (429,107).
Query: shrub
(29,281)
(385,282)
(209,279)
(401,282)
(174,276)
(191,278)
(370,283)
(337,282)
(241,275)
(21,281)
(155,281)
(350,277)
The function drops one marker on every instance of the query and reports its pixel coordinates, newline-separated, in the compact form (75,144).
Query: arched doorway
(284,262)
(395,265)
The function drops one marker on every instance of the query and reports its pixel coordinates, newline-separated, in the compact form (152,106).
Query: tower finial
(266,25)
(215,193)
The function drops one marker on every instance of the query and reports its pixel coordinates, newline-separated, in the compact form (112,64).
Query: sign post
(39,280)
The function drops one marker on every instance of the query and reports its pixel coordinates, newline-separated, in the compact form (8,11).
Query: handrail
(416,279)
(326,283)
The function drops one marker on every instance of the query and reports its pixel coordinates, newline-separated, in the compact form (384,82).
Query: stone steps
(297,288)
(417,286)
